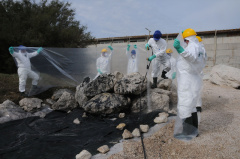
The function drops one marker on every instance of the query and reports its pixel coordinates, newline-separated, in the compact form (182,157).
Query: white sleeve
(190,53)
(128,53)
(98,64)
(15,54)
(30,55)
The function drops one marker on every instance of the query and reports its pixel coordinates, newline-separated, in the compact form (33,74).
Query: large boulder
(131,84)
(160,99)
(58,93)
(165,84)
(225,75)
(30,104)
(137,106)
(80,97)
(154,100)
(66,102)
(10,111)
(103,83)
(106,103)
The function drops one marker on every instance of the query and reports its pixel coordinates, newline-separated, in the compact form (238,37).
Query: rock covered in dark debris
(131,84)
(107,103)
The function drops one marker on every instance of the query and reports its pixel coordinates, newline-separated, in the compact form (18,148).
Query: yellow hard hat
(188,32)
(199,38)
(168,51)
(104,50)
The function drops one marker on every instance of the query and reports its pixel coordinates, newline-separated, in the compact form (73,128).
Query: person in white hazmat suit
(159,58)
(199,101)
(190,63)
(172,73)
(104,62)
(132,59)
(22,58)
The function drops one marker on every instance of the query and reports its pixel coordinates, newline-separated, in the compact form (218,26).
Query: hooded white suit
(190,64)
(159,49)
(24,69)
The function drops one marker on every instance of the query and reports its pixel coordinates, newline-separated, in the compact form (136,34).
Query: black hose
(141,134)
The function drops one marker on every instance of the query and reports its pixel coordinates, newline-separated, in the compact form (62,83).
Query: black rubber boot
(23,94)
(195,119)
(164,75)
(154,85)
(187,126)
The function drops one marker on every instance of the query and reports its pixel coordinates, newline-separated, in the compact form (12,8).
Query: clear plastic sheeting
(184,129)
(67,67)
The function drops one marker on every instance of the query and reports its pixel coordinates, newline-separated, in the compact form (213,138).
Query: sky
(117,18)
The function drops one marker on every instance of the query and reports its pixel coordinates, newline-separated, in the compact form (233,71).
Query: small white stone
(127,134)
(76,121)
(113,119)
(121,126)
(163,114)
(103,149)
(84,115)
(144,128)
(121,115)
(136,132)
(84,154)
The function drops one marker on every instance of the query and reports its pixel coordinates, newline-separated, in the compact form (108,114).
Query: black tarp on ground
(57,137)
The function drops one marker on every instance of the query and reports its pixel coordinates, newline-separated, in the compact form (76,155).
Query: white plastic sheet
(67,67)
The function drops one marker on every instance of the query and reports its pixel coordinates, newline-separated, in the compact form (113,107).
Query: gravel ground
(219,132)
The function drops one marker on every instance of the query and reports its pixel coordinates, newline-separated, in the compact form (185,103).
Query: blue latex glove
(173,75)
(39,50)
(177,46)
(110,47)
(11,50)
(135,46)
(99,71)
(128,47)
(151,57)
(147,46)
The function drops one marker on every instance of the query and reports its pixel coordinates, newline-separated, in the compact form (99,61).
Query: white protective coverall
(190,64)
(132,62)
(199,101)
(24,69)
(104,63)
(159,49)
(173,66)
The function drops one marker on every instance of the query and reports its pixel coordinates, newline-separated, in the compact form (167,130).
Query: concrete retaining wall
(222,50)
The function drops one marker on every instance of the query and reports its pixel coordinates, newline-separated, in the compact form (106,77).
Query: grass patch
(9,89)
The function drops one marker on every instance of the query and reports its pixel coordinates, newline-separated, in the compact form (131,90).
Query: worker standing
(189,67)
(159,56)
(172,73)
(104,61)
(132,59)
(22,58)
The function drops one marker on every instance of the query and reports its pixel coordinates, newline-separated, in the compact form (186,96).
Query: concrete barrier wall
(225,51)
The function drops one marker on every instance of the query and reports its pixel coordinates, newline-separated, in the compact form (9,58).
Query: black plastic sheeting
(57,137)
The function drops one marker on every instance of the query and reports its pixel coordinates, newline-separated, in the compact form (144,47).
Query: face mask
(133,56)
(105,54)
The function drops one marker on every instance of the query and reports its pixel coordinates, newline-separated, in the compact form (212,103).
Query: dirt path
(219,132)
